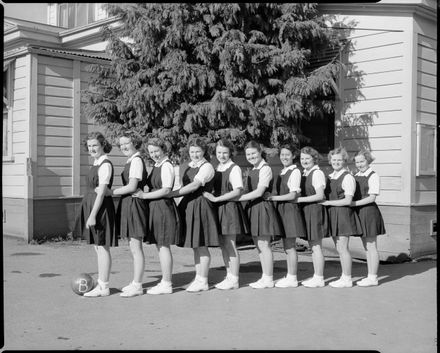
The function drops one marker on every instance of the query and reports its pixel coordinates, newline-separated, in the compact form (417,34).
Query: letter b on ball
(82,284)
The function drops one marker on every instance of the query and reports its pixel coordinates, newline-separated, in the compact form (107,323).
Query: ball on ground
(82,283)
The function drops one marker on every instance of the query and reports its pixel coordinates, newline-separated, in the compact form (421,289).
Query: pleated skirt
(132,218)
(201,225)
(343,221)
(316,221)
(164,223)
(264,220)
(293,220)
(371,220)
(103,233)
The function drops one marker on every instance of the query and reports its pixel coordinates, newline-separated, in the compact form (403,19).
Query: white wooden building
(387,102)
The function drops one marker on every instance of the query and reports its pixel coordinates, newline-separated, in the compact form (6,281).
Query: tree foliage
(236,70)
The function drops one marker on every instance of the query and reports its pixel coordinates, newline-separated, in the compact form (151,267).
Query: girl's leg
(166,262)
(341,243)
(318,259)
(225,253)
(166,265)
(292,264)
(370,246)
(202,260)
(231,258)
(266,258)
(104,263)
(138,259)
(135,287)
(104,266)
(232,255)
(291,255)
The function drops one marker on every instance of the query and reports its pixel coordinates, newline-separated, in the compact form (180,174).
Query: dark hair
(311,152)
(257,146)
(338,150)
(198,142)
(159,142)
(134,136)
(226,143)
(96,135)
(292,148)
(367,155)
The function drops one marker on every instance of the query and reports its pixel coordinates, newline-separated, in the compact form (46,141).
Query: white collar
(100,160)
(222,167)
(366,173)
(262,162)
(285,170)
(158,164)
(197,164)
(336,175)
(134,155)
(307,172)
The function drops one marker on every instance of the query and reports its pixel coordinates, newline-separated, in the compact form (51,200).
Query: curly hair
(96,135)
(159,142)
(226,143)
(367,155)
(311,152)
(257,146)
(198,142)
(292,148)
(134,136)
(338,150)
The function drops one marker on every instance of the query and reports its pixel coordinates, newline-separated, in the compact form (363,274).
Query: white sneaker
(227,283)
(367,282)
(98,292)
(132,291)
(127,287)
(161,288)
(286,283)
(261,283)
(197,286)
(341,283)
(313,283)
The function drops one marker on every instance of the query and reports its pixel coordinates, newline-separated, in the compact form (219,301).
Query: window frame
(430,170)
(8,69)
(92,10)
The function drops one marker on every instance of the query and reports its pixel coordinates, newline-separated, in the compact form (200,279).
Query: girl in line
(228,185)
(287,188)
(263,217)
(198,213)
(131,212)
(343,221)
(368,186)
(315,215)
(163,223)
(97,212)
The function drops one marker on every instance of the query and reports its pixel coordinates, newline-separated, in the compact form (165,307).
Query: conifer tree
(236,70)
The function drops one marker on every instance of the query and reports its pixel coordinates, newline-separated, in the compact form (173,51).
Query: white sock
(137,284)
(202,279)
(346,278)
(321,278)
(292,277)
(232,277)
(167,283)
(372,277)
(267,278)
(103,285)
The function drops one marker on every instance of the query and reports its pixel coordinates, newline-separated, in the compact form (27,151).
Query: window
(7,110)
(72,15)
(426,149)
